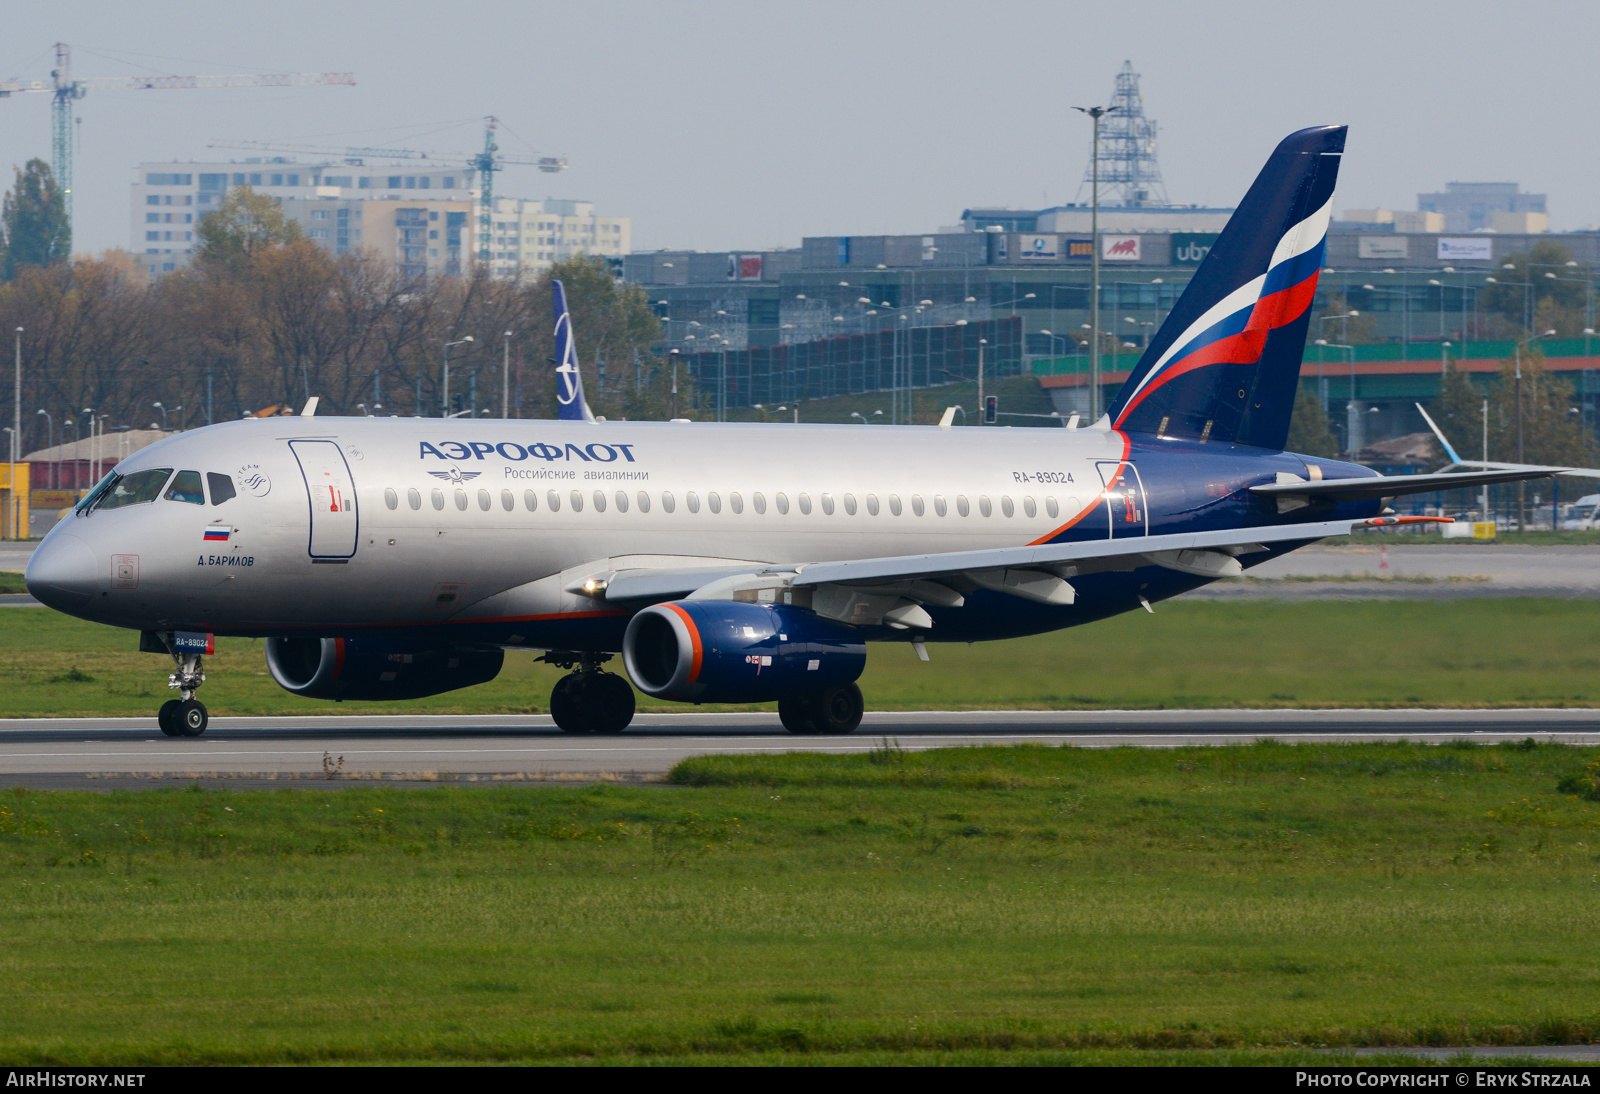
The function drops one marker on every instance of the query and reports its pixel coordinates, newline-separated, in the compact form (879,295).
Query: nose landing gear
(588,700)
(184,717)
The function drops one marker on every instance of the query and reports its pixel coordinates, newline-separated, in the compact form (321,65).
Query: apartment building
(528,236)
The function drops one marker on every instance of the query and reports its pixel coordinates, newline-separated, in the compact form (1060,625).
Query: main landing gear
(184,717)
(833,710)
(588,700)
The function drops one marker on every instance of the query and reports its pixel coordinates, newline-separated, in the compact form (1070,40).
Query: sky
(745,125)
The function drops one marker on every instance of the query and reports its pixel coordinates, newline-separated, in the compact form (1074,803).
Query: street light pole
(444,405)
(1095,113)
(981,343)
(505,378)
(1522,487)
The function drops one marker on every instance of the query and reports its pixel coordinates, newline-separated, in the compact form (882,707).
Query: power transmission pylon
(1129,173)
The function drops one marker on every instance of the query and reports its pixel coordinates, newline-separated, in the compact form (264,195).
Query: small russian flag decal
(216,535)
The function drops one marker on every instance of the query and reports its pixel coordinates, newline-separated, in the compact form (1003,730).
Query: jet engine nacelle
(368,668)
(725,651)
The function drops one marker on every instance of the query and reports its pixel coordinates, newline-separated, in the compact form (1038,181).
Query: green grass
(11,582)
(1458,653)
(1025,905)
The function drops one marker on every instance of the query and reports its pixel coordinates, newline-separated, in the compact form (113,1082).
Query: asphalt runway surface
(105,753)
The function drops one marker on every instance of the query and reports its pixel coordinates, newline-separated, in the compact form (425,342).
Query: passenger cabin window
(438,498)
(962,506)
(390,498)
(622,501)
(1051,509)
(186,487)
(736,502)
(484,500)
(983,505)
(850,504)
(530,501)
(805,504)
(781,500)
(644,502)
(577,501)
(553,498)
(872,505)
(134,489)
(692,500)
(916,504)
(894,505)
(714,502)
(508,500)
(414,498)
(758,501)
(599,501)
(667,502)
(1028,508)
(827,505)
(939,505)
(221,487)
(461,500)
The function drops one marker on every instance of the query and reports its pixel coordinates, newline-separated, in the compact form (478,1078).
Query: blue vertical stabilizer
(1225,365)
(569,380)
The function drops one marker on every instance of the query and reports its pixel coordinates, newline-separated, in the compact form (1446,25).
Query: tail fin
(1226,363)
(569,380)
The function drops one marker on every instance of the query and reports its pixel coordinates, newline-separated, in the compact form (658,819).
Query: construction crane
(485,163)
(64,91)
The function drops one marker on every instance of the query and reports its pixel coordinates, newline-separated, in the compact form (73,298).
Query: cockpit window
(88,501)
(221,487)
(186,487)
(134,489)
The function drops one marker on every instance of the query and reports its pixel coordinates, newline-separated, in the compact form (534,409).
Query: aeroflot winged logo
(569,380)
(455,475)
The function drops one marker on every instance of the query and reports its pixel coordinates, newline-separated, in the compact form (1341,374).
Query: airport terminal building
(1031,271)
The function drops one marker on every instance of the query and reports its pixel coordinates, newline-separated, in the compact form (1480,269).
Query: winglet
(1437,432)
(310,410)
(949,418)
(569,380)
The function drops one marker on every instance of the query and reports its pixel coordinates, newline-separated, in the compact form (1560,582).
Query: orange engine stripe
(694,641)
(338,658)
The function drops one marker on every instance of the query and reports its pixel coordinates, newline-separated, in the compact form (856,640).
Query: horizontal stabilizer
(1394,486)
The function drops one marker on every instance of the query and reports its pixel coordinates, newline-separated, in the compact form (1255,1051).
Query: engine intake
(366,668)
(724,651)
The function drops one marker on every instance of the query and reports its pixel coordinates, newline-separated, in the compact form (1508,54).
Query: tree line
(264,318)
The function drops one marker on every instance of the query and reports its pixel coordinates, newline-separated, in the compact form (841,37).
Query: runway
(103,753)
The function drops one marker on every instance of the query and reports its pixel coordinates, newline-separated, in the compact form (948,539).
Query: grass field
(967,905)
(1470,652)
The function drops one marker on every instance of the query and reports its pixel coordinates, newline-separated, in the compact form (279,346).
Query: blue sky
(743,125)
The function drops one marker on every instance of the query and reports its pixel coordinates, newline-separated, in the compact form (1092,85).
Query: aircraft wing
(1083,553)
(1393,486)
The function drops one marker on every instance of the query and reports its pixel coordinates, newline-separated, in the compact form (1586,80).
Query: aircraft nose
(63,572)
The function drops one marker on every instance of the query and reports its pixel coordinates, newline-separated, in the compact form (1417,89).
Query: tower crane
(485,163)
(64,91)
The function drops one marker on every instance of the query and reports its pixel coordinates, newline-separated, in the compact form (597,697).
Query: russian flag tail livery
(569,381)
(1225,364)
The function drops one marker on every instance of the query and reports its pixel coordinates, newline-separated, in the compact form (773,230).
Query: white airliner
(396,558)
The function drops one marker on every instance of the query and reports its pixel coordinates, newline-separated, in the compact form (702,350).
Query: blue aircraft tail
(569,380)
(1226,363)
